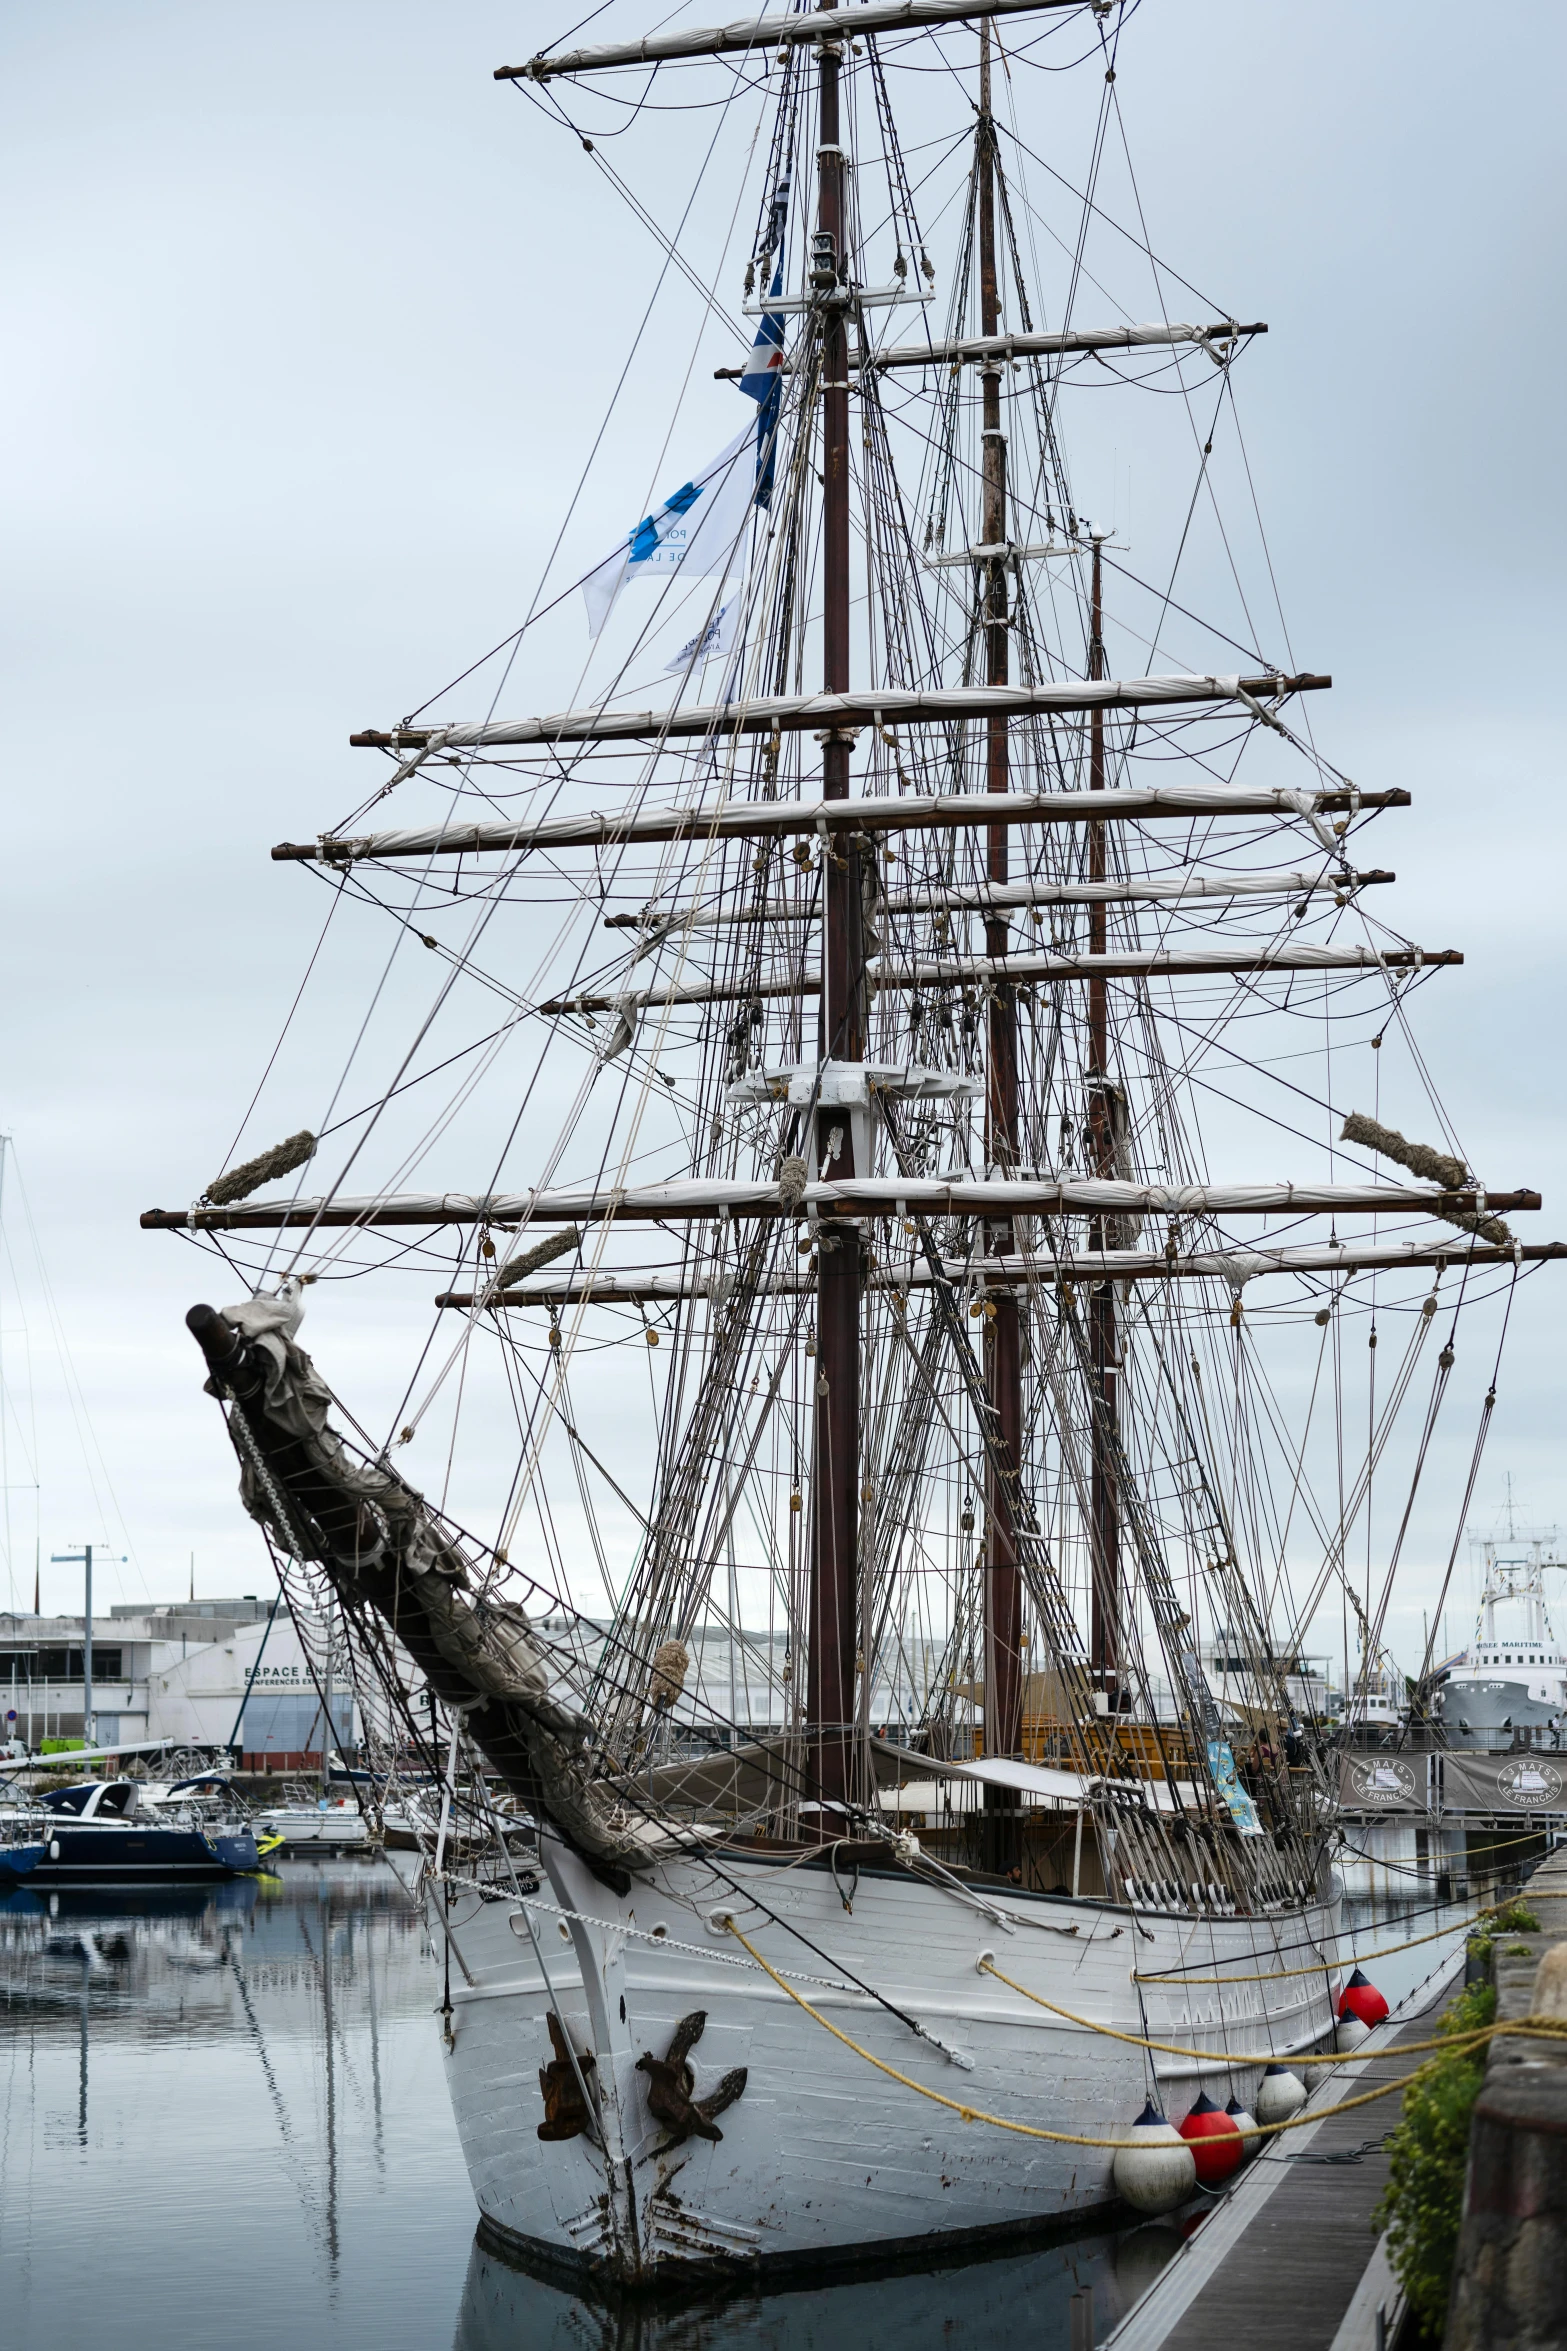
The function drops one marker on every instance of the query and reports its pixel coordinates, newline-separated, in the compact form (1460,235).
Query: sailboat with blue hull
(112,1830)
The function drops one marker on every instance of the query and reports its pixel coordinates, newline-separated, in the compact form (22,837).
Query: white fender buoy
(1349,2033)
(1158,2170)
(1246,2124)
(1280,2094)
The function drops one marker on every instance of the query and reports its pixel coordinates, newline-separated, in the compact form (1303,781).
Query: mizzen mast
(1003,1591)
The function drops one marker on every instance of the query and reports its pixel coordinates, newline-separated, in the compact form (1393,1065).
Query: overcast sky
(308,323)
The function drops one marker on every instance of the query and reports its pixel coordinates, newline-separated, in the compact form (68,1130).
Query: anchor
(671,2082)
(566,2114)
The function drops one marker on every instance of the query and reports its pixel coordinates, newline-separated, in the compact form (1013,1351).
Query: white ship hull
(1478,1710)
(824,2158)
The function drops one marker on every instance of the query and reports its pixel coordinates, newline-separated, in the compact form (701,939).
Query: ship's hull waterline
(823,2158)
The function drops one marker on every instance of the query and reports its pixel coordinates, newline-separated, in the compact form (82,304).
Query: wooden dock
(1290,2258)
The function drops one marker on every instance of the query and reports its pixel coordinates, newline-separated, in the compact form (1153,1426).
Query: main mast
(1003,1599)
(1105,1498)
(834,1594)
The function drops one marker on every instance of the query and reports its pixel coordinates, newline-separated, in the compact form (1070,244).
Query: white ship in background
(877,982)
(1513,1676)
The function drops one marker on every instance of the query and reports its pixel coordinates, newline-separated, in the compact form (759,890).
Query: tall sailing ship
(897,964)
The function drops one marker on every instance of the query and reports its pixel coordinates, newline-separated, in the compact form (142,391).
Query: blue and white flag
(763,373)
(711,643)
(1221,1763)
(699,528)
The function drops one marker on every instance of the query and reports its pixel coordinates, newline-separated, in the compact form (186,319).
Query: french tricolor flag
(762,374)
(765,364)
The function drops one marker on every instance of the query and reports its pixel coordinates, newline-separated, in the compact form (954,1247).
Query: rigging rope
(1231,2057)
(1176,1976)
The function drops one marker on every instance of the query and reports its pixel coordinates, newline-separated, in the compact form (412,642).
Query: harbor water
(223,2123)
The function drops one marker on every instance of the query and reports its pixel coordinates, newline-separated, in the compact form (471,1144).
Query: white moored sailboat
(883,974)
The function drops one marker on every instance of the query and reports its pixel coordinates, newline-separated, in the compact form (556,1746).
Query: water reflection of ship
(347,1903)
(915,2306)
(190,1963)
(134,1940)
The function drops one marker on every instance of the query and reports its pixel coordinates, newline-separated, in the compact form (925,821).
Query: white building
(203,1672)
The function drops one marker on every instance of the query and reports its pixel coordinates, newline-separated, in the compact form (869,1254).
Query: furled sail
(385,1549)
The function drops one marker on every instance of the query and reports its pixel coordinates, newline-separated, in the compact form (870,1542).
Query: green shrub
(1424,2200)
(1516,1918)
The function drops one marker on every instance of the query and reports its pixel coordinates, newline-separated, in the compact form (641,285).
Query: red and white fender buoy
(1360,1998)
(1246,2124)
(1217,2146)
(1158,2170)
(1280,2094)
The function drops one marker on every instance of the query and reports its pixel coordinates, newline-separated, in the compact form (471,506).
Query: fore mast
(835,1530)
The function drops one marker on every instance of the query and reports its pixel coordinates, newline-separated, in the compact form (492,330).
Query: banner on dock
(1503,1783)
(1382,1783)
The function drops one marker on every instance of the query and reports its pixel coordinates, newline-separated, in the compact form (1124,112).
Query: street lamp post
(83,1559)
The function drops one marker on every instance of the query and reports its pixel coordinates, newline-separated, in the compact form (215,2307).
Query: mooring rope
(1456,2044)
(1229,2057)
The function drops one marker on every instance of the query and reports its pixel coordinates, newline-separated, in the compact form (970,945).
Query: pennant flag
(763,373)
(710,643)
(698,529)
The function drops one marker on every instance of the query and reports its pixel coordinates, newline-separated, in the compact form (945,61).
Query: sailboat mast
(1003,1599)
(834,1594)
(1105,1501)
